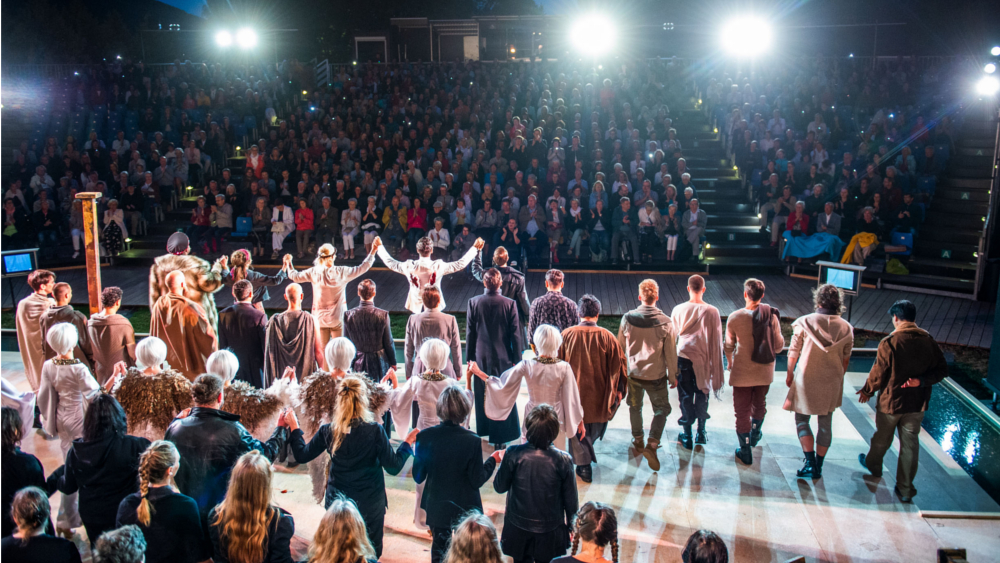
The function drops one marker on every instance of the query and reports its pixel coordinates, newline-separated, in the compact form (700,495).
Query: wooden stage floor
(950,320)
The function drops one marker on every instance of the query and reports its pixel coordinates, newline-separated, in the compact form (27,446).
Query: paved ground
(763,512)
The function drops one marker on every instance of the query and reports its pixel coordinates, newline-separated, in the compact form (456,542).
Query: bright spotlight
(988,86)
(593,34)
(224,38)
(246,37)
(746,36)
(995,51)
(990,68)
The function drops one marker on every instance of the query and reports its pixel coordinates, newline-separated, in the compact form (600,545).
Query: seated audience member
(474,541)
(29,542)
(124,545)
(828,222)
(341,536)
(705,546)
(865,241)
(909,215)
(540,484)
(210,441)
(169,521)
(693,223)
(624,223)
(103,465)
(247,523)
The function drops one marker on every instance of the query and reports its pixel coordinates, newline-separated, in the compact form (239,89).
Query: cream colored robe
(29,336)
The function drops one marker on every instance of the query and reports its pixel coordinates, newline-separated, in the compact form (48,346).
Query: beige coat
(821,343)
(744,372)
(30,336)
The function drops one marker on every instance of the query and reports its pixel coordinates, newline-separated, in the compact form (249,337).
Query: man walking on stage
(649,340)
(908,364)
(753,339)
(600,369)
(699,362)
(424,271)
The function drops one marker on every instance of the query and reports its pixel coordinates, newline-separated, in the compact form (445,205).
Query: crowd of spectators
(546,159)
(838,147)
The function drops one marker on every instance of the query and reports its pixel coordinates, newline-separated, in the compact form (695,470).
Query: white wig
(150,352)
(547,340)
(62,337)
(223,363)
(340,353)
(434,354)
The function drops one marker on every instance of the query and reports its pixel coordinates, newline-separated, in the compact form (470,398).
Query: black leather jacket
(541,487)
(210,441)
(511,288)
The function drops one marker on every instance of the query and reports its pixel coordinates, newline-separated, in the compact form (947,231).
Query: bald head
(293,294)
(176,282)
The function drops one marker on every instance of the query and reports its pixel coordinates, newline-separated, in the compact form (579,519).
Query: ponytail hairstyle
(352,404)
(154,463)
(596,523)
(30,511)
(238,261)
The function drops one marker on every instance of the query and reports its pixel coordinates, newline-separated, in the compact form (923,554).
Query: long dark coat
(493,337)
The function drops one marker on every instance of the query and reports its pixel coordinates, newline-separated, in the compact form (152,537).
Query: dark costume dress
(492,335)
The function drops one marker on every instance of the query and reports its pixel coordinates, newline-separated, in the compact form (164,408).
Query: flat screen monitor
(15,263)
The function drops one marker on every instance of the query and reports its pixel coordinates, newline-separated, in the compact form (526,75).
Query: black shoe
(808,470)
(684,439)
(903,499)
(701,437)
(864,463)
(585,473)
(744,453)
(755,432)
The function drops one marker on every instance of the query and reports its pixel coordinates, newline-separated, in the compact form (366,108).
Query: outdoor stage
(762,511)
(949,320)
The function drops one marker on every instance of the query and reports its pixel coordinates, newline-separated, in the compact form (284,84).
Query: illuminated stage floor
(762,512)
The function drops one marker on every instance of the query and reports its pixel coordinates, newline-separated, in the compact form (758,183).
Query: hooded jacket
(649,340)
(821,342)
(104,471)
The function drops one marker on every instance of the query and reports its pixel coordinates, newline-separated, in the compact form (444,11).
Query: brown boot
(649,452)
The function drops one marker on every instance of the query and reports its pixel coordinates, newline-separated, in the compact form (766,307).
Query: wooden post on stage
(92,251)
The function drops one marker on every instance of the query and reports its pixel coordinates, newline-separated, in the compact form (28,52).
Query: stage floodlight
(988,86)
(224,38)
(995,51)
(746,36)
(246,38)
(593,34)
(990,68)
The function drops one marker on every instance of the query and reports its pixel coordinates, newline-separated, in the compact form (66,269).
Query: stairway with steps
(733,234)
(946,251)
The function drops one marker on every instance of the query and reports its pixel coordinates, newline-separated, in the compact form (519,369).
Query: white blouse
(550,383)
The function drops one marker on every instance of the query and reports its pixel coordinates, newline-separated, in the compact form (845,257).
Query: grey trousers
(886,425)
(583,450)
